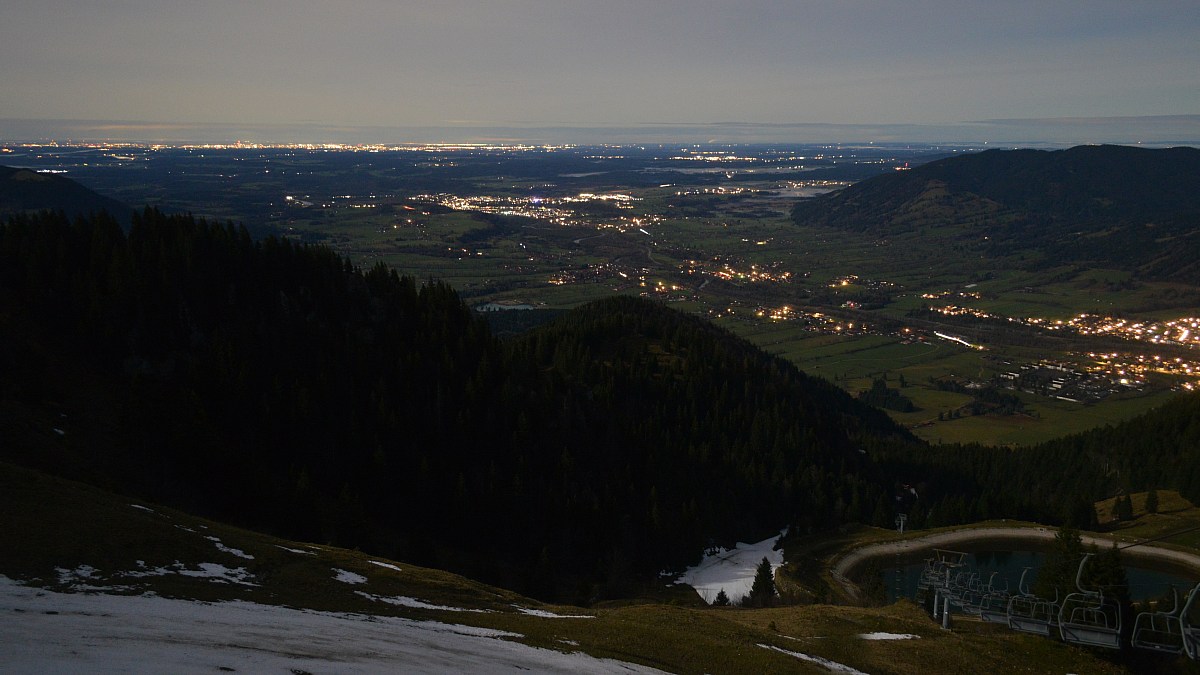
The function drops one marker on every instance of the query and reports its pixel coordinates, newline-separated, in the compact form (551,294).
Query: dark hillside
(23,190)
(274,385)
(1119,206)
(1059,480)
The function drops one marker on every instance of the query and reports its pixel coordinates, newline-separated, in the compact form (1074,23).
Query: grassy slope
(47,524)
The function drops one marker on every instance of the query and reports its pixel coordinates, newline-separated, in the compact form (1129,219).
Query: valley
(707,229)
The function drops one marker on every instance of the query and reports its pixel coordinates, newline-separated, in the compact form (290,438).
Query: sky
(780,67)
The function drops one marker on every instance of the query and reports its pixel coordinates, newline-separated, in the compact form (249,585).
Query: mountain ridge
(1120,206)
(23,190)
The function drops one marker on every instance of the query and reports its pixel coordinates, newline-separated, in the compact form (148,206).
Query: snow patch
(889,636)
(826,663)
(413,603)
(731,571)
(83,572)
(232,551)
(144,508)
(162,635)
(551,615)
(383,564)
(348,577)
(295,550)
(214,571)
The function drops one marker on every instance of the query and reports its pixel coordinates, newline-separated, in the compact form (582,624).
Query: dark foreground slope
(159,590)
(1123,207)
(24,190)
(276,386)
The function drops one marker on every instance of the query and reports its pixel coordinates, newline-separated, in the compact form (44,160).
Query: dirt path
(842,566)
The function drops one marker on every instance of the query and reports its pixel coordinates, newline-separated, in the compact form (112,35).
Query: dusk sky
(474,64)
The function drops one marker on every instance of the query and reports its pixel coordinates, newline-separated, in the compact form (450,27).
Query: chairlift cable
(1160,538)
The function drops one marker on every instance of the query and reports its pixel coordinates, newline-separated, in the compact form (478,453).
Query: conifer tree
(721,600)
(1057,576)
(762,591)
(1152,501)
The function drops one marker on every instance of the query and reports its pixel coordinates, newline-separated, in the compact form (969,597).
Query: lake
(1144,582)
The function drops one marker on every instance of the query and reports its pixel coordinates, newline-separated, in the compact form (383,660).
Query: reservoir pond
(1144,582)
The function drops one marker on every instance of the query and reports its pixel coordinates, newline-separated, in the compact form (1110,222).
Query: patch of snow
(185,529)
(143,508)
(295,550)
(348,577)
(383,564)
(413,603)
(161,635)
(60,432)
(232,551)
(889,636)
(730,571)
(215,571)
(826,663)
(82,572)
(236,575)
(552,615)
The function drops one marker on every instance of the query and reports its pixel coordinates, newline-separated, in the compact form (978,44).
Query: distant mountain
(1125,207)
(23,190)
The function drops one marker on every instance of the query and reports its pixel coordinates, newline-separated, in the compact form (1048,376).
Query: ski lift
(1087,618)
(936,574)
(959,587)
(1160,631)
(1191,631)
(1027,613)
(977,594)
(994,607)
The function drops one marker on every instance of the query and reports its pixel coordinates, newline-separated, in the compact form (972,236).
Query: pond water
(1144,582)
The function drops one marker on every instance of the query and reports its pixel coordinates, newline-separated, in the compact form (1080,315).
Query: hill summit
(1106,205)
(27,190)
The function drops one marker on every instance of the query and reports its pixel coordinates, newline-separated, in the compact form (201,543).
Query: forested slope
(1116,206)
(274,385)
(24,190)
(1058,481)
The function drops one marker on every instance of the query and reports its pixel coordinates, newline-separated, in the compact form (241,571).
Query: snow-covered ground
(731,571)
(44,631)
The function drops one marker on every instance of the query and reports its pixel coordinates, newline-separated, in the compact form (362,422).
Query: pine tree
(1057,576)
(1123,508)
(762,591)
(721,600)
(1152,501)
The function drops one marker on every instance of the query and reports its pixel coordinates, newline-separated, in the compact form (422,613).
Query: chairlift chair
(1088,618)
(994,607)
(1027,613)
(1191,631)
(1160,631)
(933,576)
(976,594)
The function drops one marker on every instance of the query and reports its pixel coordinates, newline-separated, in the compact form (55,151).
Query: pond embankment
(844,565)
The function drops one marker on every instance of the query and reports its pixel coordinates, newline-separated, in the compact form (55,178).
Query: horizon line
(1123,130)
